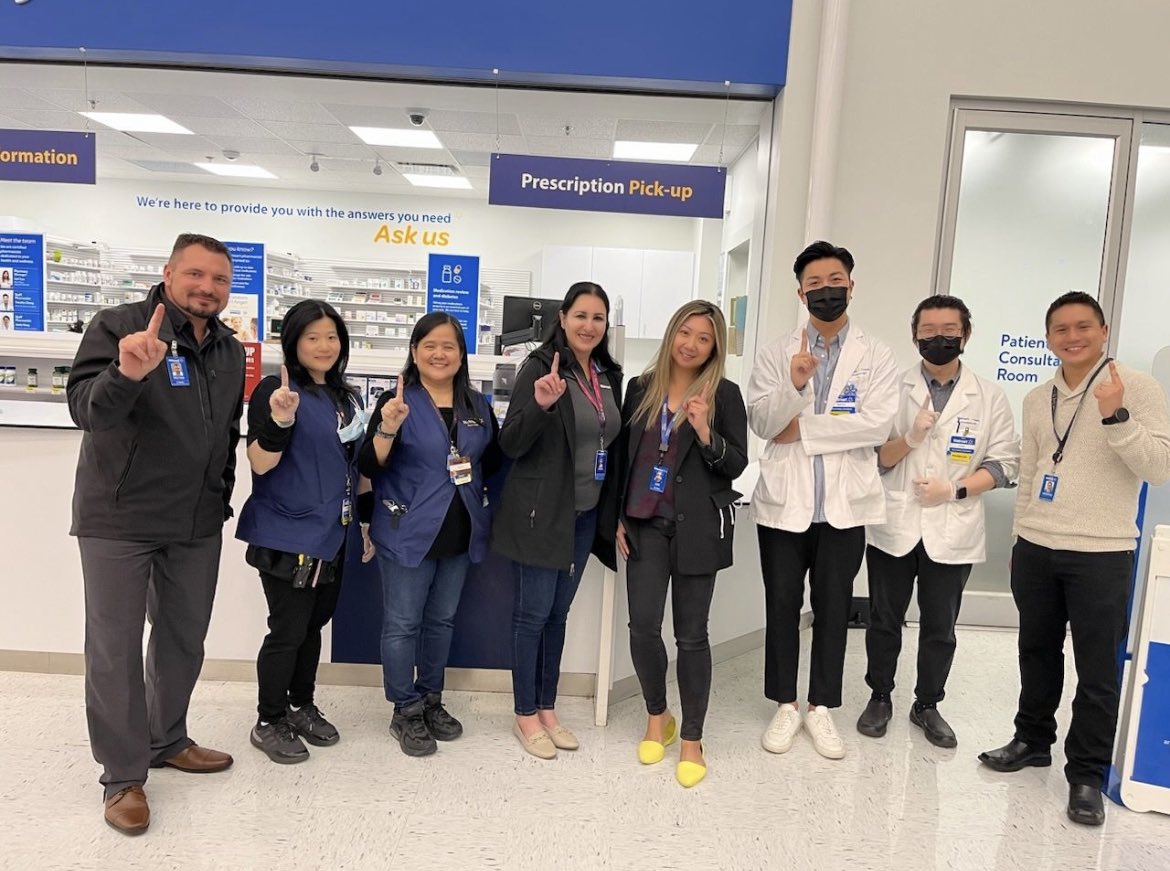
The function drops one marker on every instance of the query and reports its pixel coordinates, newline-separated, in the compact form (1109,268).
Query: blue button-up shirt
(822,382)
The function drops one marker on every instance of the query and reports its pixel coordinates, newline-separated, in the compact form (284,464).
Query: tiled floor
(897,803)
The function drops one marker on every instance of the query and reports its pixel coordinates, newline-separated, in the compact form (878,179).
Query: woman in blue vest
(430,447)
(559,503)
(303,430)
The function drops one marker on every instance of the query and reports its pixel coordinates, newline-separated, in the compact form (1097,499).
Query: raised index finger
(156,320)
(284,376)
(1113,374)
(556,363)
(928,403)
(804,341)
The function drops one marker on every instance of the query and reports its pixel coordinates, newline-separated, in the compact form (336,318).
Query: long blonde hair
(656,379)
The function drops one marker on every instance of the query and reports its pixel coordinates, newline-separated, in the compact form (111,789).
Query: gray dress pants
(138,719)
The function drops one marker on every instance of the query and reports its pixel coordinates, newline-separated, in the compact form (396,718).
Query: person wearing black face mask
(953,440)
(824,398)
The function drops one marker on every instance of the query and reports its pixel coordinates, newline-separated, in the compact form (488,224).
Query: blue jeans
(539,613)
(418,616)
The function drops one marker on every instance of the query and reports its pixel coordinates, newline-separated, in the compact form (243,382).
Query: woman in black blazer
(684,441)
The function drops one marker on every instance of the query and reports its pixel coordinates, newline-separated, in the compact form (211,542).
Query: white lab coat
(783,498)
(953,533)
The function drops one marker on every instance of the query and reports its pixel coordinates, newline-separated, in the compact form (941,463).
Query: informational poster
(245,309)
(22,282)
(453,287)
(48,155)
(252,373)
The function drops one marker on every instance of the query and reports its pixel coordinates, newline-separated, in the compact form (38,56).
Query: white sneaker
(782,730)
(818,722)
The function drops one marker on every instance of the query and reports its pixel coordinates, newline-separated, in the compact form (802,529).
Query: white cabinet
(651,284)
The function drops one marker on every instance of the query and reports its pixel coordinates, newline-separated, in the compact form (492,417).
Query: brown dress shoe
(199,760)
(128,812)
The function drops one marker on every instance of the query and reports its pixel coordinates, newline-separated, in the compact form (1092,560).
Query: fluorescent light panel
(236,170)
(437,181)
(400,138)
(132,122)
(670,151)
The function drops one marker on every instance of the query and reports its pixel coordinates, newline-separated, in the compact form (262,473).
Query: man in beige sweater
(1090,437)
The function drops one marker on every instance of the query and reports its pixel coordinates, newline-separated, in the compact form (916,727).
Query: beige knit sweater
(1100,476)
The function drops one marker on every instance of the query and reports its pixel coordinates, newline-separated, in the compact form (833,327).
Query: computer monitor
(527,319)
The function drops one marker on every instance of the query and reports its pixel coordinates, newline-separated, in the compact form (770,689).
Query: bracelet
(284,424)
(382,434)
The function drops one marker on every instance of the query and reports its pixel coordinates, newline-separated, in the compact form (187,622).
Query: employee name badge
(1048,488)
(658,478)
(346,511)
(459,468)
(961,449)
(846,403)
(177,368)
(600,464)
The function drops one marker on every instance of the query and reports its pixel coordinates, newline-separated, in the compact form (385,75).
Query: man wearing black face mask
(824,397)
(953,440)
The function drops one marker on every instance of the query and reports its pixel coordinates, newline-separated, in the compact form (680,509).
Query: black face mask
(940,350)
(827,303)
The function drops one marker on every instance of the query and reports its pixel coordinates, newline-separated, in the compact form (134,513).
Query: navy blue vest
(296,506)
(415,476)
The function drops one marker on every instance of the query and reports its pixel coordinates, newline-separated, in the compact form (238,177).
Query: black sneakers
(311,725)
(441,725)
(279,741)
(409,727)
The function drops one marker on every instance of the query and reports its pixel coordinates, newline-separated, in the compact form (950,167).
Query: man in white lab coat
(824,397)
(953,440)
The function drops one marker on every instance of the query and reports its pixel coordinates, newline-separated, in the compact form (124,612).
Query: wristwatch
(960,493)
(1119,416)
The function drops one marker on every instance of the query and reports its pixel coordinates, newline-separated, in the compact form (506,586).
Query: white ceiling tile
(264,109)
(738,135)
(186,105)
(471,158)
(175,143)
(708,155)
(567,146)
(482,142)
(368,116)
(249,146)
(76,100)
(221,127)
(294,130)
(12,124)
(19,98)
(52,119)
(473,122)
(661,131)
(581,128)
(327,149)
(168,166)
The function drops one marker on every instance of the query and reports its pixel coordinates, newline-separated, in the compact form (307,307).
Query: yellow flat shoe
(690,773)
(651,752)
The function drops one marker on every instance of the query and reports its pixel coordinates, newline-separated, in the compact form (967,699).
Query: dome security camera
(231,154)
(417,117)
(314,166)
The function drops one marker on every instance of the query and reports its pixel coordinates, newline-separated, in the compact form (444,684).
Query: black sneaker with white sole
(279,741)
(411,731)
(311,725)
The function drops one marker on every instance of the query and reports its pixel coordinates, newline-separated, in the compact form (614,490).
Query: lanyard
(453,429)
(1061,441)
(665,426)
(595,399)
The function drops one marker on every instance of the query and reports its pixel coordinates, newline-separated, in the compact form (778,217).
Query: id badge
(177,371)
(459,468)
(1048,487)
(961,449)
(346,511)
(600,464)
(658,477)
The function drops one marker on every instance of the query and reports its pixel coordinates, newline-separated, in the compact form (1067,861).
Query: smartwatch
(960,493)
(1119,416)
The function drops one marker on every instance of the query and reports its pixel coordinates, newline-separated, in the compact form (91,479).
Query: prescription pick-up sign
(627,186)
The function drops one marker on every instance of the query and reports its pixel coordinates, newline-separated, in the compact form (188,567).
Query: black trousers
(647,580)
(286,667)
(1054,589)
(832,558)
(940,595)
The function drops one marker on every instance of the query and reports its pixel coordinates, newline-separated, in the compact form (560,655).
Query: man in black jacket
(157,388)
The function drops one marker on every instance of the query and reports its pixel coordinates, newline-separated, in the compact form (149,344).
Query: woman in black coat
(559,504)
(684,441)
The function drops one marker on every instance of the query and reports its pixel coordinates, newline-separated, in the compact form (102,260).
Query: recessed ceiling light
(437,181)
(132,122)
(669,151)
(236,170)
(400,138)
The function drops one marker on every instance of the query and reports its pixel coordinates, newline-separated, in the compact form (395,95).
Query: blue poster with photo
(245,310)
(453,287)
(22,282)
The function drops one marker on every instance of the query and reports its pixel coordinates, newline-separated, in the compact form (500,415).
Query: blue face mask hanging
(353,430)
